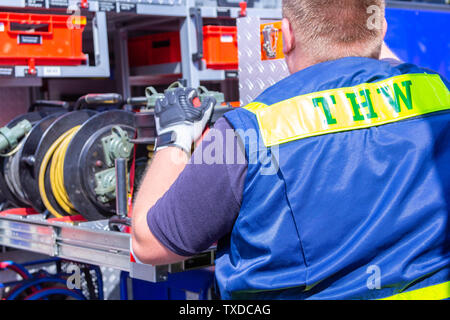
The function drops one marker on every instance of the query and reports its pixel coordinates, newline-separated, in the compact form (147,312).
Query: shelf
(174,8)
(101,69)
(178,8)
(163,7)
(234,13)
(169,72)
(88,242)
(127,9)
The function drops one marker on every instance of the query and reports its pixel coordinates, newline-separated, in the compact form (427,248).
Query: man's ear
(385,27)
(288,36)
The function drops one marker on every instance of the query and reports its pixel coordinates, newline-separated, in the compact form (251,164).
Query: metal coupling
(10,137)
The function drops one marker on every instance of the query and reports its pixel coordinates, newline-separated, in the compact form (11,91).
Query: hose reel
(39,120)
(63,161)
(34,152)
(88,176)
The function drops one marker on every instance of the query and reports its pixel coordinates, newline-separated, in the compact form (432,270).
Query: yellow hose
(56,154)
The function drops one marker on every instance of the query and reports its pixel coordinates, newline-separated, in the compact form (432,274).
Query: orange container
(220,47)
(41,39)
(234,104)
(154,49)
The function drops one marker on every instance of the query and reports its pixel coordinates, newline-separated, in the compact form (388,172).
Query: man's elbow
(148,250)
(140,252)
(140,246)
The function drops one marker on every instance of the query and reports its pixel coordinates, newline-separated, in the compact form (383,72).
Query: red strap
(19,212)
(243,5)
(132,176)
(76,218)
(32,67)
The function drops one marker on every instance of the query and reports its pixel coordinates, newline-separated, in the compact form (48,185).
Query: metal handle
(31,31)
(176,84)
(121,187)
(49,103)
(196,13)
(226,3)
(95,100)
(270,43)
(137,101)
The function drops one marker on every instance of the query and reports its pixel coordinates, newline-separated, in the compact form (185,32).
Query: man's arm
(201,205)
(180,119)
(164,170)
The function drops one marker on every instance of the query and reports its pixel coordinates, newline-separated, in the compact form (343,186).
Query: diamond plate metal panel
(255,75)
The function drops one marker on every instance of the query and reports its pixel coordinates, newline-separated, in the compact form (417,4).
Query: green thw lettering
(326,109)
(357,116)
(399,96)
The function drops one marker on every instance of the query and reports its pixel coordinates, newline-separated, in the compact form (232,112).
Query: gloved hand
(178,122)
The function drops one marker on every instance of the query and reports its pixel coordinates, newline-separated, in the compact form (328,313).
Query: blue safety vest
(347,192)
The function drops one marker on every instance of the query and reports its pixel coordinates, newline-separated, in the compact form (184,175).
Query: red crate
(220,47)
(41,39)
(154,49)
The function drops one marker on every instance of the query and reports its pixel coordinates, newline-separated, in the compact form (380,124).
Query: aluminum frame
(89,242)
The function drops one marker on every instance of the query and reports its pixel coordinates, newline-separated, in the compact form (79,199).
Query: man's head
(315,31)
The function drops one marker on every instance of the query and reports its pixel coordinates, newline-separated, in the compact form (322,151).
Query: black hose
(97,100)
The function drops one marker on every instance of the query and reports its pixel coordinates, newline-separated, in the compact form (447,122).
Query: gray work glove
(178,122)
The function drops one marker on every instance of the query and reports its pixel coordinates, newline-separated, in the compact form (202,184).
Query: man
(356,199)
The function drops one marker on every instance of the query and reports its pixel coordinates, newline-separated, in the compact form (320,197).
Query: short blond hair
(333,29)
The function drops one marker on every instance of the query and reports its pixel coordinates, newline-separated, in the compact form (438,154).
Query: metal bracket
(196,13)
(117,145)
(9,137)
(270,37)
(88,242)
(204,93)
(105,182)
(152,95)
(232,4)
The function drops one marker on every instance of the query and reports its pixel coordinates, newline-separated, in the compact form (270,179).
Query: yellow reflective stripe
(436,292)
(351,108)
(255,106)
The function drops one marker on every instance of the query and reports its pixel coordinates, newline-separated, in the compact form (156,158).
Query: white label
(226,38)
(2,27)
(52,72)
